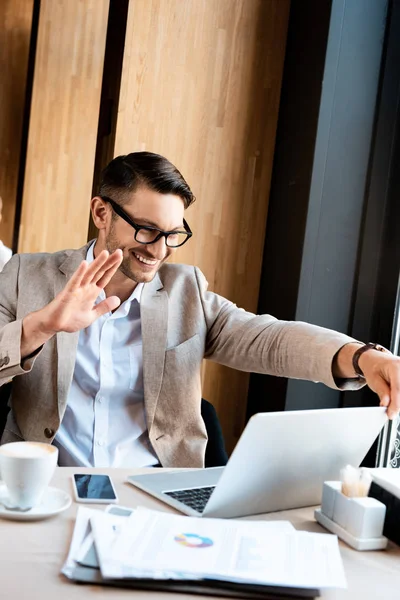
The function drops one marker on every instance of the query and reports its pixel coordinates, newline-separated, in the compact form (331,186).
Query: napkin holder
(357,521)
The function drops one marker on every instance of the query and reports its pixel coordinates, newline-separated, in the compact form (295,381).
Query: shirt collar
(137,292)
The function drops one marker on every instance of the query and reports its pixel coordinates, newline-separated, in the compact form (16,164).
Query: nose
(159,249)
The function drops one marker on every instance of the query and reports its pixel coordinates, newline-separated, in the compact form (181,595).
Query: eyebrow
(146,222)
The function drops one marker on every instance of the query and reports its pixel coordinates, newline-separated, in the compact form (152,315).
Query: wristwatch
(361,350)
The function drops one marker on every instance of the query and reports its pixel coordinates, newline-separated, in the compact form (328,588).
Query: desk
(31,554)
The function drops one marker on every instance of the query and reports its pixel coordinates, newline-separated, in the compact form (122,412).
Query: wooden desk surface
(32,554)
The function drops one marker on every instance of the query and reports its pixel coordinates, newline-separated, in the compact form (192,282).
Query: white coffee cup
(26,468)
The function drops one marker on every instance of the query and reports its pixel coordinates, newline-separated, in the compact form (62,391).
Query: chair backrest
(5,393)
(216,455)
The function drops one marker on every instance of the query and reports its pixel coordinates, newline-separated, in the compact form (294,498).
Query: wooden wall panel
(63,124)
(201,84)
(15,34)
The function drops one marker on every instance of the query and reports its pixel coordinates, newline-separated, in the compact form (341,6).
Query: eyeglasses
(150,235)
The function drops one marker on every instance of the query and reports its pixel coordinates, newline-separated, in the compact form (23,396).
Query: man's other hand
(381,371)
(382,374)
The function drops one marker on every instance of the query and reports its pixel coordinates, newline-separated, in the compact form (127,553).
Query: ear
(101,212)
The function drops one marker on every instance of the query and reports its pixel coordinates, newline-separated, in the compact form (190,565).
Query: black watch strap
(361,350)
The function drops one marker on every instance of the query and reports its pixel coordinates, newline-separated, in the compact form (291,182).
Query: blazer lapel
(154,321)
(66,343)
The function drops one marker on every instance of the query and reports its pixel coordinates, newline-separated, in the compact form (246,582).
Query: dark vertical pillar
(291,178)
(379,262)
(113,59)
(331,82)
(25,123)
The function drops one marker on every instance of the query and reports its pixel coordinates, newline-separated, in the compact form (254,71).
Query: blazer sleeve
(10,326)
(264,344)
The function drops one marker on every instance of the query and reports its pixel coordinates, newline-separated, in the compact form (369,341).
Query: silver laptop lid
(283,458)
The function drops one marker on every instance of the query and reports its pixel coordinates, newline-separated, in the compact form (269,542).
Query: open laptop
(280,462)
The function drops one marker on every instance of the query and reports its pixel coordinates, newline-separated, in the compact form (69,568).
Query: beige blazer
(182,323)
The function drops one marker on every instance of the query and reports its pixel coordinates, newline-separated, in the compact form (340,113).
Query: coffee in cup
(26,468)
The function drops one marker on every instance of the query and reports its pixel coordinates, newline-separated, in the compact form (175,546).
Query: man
(104,344)
(5,253)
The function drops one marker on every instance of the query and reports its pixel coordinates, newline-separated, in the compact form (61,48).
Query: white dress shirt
(105,423)
(5,255)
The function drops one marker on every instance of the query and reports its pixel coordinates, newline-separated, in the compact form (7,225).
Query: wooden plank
(63,124)
(201,84)
(15,34)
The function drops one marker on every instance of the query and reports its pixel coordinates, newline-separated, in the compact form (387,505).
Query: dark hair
(128,172)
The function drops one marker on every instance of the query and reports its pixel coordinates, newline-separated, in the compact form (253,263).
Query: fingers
(97,264)
(389,396)
(101,283)
(393,376)
(394,405)
(79,274)
(108,269)
(102,265)
(107,305)
(383,391)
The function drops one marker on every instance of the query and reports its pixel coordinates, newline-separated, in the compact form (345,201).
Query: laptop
(280,462)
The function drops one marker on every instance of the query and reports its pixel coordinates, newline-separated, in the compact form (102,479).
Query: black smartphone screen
(94,487)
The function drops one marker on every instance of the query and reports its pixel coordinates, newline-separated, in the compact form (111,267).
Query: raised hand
(74,307)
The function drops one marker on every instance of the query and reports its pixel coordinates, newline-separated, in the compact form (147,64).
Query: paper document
(82,549)
(155,544)
(81,530)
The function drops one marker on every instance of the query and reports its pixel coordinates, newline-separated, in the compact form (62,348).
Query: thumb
(106,306)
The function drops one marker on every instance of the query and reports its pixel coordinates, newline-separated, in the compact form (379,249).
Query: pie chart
(192,540)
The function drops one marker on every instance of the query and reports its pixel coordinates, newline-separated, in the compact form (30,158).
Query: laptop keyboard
(196,498)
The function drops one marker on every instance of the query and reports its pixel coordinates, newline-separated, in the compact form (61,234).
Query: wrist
(34,334)
(361,365)
(36,324)
(46,326)
(342,366)
(363,355)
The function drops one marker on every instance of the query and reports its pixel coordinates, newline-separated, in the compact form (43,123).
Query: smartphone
(94,488)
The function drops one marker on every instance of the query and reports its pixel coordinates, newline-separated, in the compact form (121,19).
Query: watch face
(380,348)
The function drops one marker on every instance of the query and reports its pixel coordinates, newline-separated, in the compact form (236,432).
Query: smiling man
(103,345)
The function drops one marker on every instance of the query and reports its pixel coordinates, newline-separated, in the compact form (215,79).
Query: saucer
(53,502)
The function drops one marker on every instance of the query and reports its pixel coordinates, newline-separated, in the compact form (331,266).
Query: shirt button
(49,432)
(100,443)
(100,399)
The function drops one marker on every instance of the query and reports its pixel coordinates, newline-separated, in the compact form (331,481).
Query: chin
(139,276)
(144,277)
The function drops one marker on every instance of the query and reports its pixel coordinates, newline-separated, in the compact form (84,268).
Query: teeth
(146,261)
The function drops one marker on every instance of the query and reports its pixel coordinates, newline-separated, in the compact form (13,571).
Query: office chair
(216,455)
(5,393)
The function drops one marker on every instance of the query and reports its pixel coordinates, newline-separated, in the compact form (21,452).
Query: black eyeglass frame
(121,213)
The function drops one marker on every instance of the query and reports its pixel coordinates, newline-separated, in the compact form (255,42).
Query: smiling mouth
(145,261)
